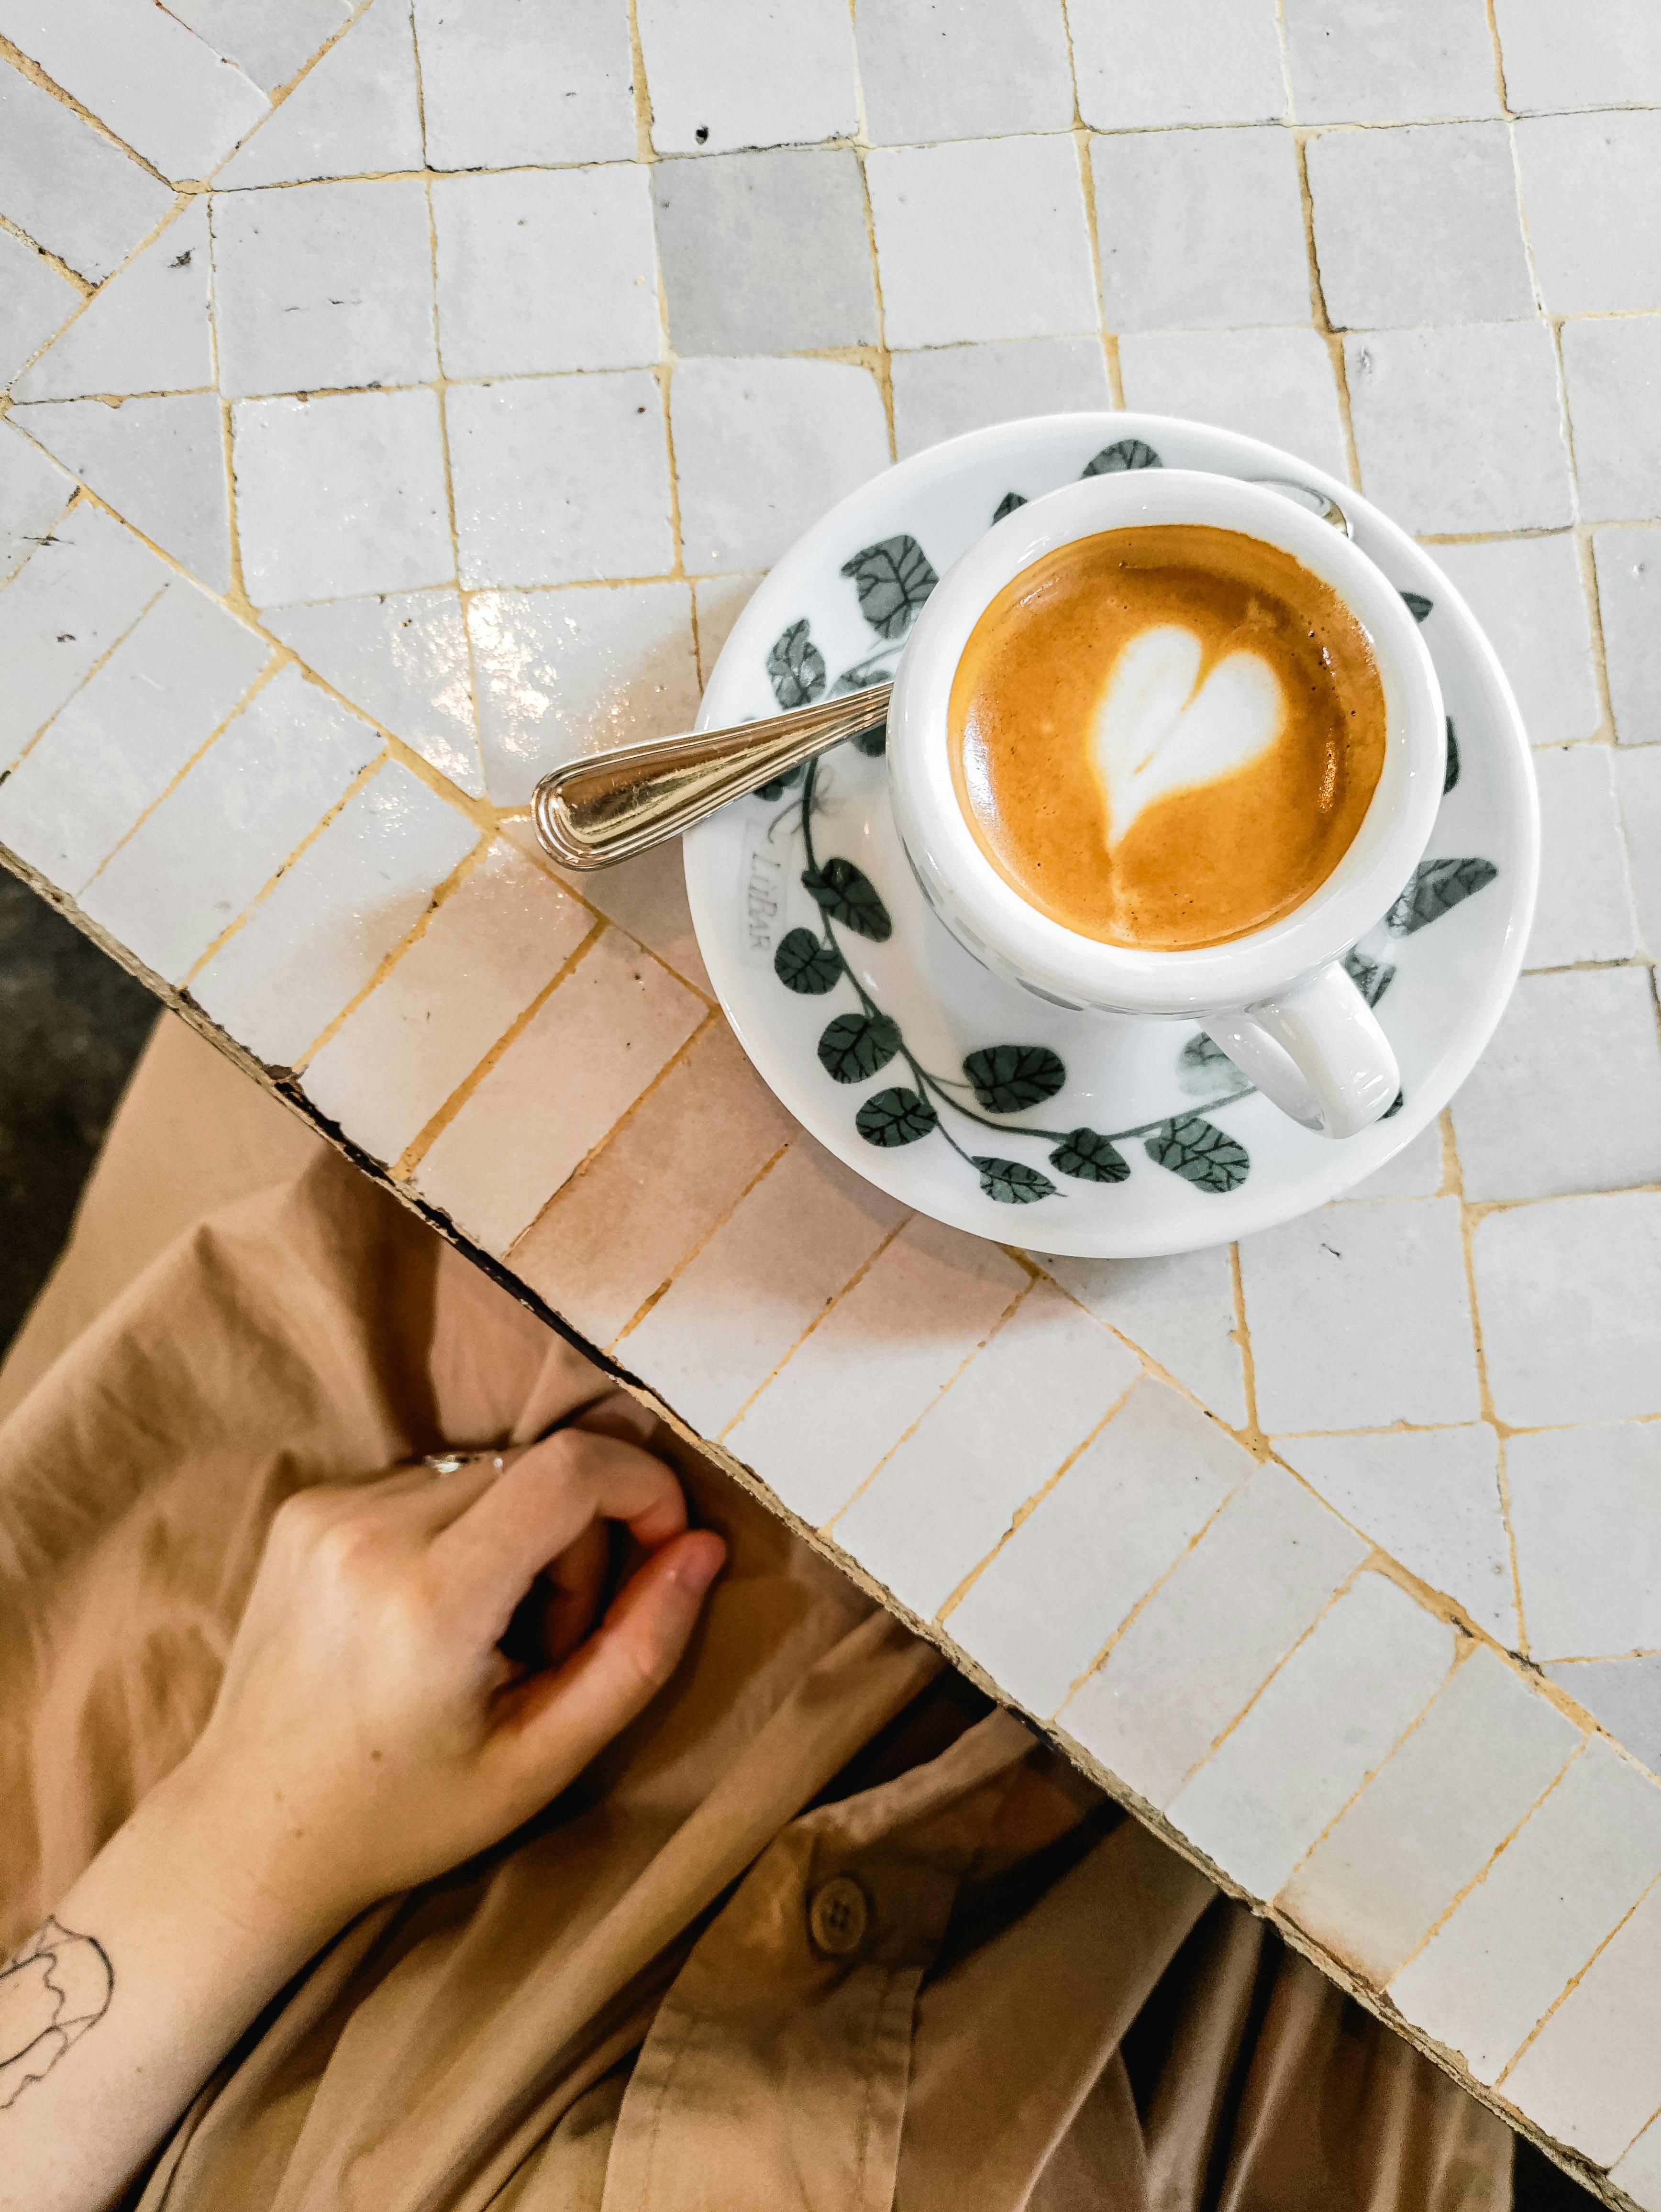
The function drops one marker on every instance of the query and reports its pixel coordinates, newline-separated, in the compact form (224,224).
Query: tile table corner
(400,398)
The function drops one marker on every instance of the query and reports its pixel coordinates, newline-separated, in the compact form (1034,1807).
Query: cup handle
(1317,1052)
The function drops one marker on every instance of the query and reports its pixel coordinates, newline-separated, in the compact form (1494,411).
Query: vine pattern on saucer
(893,578)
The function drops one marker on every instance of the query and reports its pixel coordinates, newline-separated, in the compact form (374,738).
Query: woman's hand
(369,1732)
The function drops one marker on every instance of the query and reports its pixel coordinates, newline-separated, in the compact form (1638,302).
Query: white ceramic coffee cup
(1278,1001)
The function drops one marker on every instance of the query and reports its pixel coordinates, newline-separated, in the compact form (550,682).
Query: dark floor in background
(71,1025)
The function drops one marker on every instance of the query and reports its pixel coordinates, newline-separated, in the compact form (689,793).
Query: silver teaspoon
(594,812)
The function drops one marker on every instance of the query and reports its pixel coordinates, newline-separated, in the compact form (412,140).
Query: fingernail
(698,1567)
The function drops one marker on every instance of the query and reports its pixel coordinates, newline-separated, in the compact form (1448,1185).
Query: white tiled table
(398,402)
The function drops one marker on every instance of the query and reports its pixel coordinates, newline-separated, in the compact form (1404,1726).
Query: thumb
(559,1721)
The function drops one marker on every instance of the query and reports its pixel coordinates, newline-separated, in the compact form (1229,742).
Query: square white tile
(1431,1498)
(748,73)
(33,494)
(1586,1512)
(226,828)
(1504,1954)
(1527,594)
(114,748)
(1322,1723)
(67,186)
(1628,563)
(984,69)
(493,945)
(902,1332)
(559,479)
(573,1071)
(322,287)
(546,270)
(1180,1311)
(511,82)
(1459,429)
(763,448)
(1277,385)
(1612,368)
(1197,1653)
(944,390)
(1066,1580)
(1431,1819)
(317,939)
(146,330)
(1217,61)
(1382,61)
(787,1249)
(1525,1121)
(1591,2078)
(1639,771)
(1418,225)
(402,658)
(267,45)
(1416,1171)
(35,299)
(1585,909)
(1200,229)
(1609,56)
(63,609)
(341,496)
(1621,1695)
(1598,1258)
(1360,1318)
(983,239)
(161,89)
(565,673)
(727,227)
(357,111)
(1009,1422)
(1588,196)
(664,1180)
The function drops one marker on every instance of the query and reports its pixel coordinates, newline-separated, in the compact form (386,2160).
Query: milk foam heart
(1156,733)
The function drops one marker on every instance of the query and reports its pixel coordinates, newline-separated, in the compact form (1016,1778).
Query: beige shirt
(823,1929)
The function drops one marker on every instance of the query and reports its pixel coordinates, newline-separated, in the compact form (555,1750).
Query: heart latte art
(1166,736)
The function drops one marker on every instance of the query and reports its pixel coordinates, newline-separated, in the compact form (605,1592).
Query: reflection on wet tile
(402,657)
(561,673)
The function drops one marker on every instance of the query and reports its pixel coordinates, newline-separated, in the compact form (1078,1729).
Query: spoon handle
(609,807)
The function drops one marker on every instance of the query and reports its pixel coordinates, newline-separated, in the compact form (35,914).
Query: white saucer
(879,1043)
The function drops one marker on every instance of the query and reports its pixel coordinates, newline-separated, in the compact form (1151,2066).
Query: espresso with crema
(1166,736)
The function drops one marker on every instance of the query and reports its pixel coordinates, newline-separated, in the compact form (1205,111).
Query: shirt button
(838,1916)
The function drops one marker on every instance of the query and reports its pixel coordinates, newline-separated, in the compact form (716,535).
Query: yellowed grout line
(27,66)
(427,1136)
(831,1306)
(1030,1504)
(713,1228)
(84,285)
(365,775)
(1016,1301)
(114,647)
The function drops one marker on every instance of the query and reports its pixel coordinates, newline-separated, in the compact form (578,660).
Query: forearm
(115,2012)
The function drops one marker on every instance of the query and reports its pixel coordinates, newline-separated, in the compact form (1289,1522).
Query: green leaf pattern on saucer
(893,579)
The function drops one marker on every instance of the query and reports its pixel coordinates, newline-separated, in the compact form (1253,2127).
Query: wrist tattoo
(57,1987)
